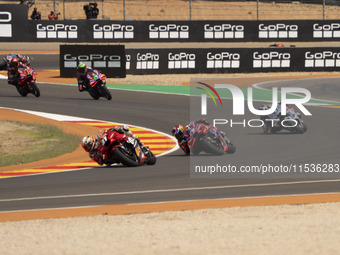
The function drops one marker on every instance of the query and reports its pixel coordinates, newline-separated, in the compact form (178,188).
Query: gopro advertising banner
(109,59)
(231,60)
(13,23)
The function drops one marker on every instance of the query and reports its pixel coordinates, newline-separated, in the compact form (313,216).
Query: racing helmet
(88,143)
(177,131)
(24,60)
(14,62)
(81,67)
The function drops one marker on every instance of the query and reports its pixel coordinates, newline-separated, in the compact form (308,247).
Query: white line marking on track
(171,190)
(172,201)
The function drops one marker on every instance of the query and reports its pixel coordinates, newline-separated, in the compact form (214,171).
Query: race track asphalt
(169,179)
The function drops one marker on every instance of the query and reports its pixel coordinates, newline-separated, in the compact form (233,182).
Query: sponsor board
(168,31)
(272,59)
(278,30)
(223,31)
(113,31)
(325,58)
(110,59)
(56,31)
(5,24)
(328,30)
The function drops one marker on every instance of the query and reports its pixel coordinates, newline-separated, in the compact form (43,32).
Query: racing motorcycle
(208,139)
(27,84)
(96,85)
(291,121)
(119,148)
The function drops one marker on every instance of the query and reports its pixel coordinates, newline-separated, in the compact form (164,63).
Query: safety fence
(188,9)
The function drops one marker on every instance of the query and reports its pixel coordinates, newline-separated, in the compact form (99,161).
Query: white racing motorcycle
(291,121)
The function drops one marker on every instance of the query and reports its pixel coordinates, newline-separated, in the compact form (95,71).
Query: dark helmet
(88,143)
(177,131)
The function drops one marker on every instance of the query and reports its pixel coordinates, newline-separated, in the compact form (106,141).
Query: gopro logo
(5,29)
(113,31)
(94,60)
(57,31)
(278,31)
(223,31)
(171,31)
(223,60)
(181,60)
(326,31)
(271,60)
(147,61)
(322,59)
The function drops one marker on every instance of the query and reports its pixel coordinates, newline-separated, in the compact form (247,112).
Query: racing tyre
(209,146)
(22,91)
(231,148)
(152,159)
(299,130)
(125,158)
(35,90)
(94,95)
(304,127)
(106,93)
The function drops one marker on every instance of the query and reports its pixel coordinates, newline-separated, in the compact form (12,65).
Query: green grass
(27,142)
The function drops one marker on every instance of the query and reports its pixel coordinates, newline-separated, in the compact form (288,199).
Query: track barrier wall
(205,60)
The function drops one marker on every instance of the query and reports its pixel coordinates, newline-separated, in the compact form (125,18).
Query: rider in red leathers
(91,144)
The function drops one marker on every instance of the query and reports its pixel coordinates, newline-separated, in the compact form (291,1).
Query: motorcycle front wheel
(106,93)
(151,159)
(22,91)
(34,89)
(125,158)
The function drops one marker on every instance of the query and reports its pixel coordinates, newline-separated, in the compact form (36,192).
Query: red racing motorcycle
(27,83)
(119,148)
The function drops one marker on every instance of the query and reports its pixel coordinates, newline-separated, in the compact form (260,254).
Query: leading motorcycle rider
(90,144)
(81,74)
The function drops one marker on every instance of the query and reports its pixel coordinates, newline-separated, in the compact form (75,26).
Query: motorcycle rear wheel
(125,158)
(210,147)
(22,91)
